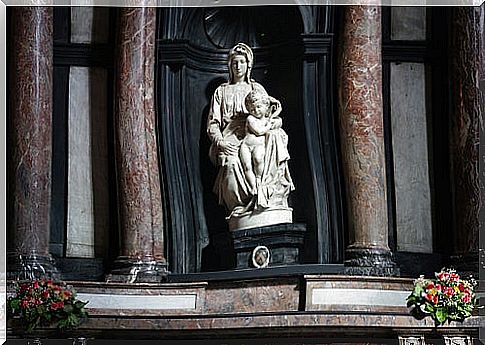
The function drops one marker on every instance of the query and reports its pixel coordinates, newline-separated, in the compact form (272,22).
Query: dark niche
(293,60)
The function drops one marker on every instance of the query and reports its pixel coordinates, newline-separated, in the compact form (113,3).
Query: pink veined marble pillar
(30,129)
(140,203)
(466,70)
(362,140)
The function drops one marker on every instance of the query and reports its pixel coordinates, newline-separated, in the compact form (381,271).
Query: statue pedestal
(266,217)
(283,243)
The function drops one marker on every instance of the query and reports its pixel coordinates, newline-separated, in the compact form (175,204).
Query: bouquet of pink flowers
(448,297)
(44,302)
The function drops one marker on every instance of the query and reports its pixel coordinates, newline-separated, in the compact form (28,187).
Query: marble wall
(87,207)
(408,23)
(89,25)
(214,311)
(87,144)
(410,153)
(410,137)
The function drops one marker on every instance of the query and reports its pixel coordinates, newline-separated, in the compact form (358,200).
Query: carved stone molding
(458,340)
(370,261)
(183,52)
(411,340)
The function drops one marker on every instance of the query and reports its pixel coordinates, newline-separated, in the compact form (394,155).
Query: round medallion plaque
(260,257)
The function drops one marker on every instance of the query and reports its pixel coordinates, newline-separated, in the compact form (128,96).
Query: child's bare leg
(245,156)
(258,161)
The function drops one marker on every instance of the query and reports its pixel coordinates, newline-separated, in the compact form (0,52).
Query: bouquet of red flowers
(448,297)
(44,302)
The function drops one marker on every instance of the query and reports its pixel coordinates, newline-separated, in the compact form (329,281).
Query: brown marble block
(466,66)
(30,129)
(341,294)
(257,296)
(140,203)
(268,327)
(361,123)
(272,309)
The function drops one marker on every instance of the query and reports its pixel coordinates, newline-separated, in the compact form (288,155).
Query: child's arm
(258,126)
(276,106)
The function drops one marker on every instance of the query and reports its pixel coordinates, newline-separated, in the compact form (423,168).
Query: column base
(129,270)
(31,267)
(370,262)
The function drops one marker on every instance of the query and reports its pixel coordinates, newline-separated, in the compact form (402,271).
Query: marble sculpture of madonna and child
(249,147)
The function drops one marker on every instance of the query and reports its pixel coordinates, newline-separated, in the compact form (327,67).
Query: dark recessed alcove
(293,48)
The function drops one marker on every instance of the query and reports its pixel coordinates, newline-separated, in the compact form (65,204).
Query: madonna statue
(249,147)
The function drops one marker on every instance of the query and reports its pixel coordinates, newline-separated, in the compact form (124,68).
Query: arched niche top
(259,27)
(219,28)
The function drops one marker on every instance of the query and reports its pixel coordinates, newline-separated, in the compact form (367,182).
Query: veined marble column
(140,203)
(361,123)
(466,69)
(30,129)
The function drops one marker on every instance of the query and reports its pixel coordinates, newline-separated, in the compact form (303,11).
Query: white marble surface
(410,151)
(372,297)
(159,302)
(408,23)
(258,219)
(87,208)
(89,25)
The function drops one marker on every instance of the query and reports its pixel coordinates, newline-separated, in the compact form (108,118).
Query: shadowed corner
(481,283)
(481,302)
(481,174)
(3,105)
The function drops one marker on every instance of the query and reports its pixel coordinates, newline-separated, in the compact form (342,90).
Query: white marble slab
(408,23)
(89,25)
(150,302)
(88,195)
(410,156)
(371,297)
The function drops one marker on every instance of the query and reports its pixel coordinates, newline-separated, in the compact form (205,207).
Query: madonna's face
(239,66)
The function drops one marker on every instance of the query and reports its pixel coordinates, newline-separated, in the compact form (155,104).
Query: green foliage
(445,298)
(46,303)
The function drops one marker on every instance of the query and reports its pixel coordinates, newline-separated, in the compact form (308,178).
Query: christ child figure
(263,117)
